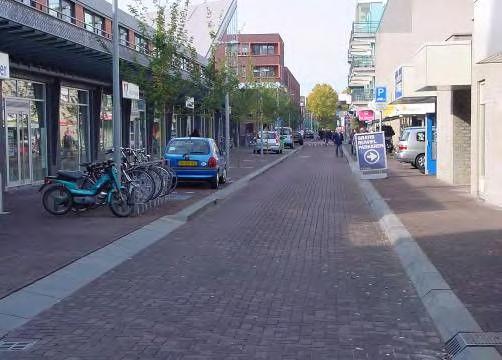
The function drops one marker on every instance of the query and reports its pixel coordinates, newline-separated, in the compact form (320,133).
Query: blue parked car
(197,159)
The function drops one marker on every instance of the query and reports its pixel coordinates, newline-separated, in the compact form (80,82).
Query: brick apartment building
(262,56)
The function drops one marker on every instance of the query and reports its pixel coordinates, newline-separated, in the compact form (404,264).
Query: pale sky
(315,32)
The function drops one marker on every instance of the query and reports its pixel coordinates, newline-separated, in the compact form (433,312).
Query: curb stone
(449,314)
(23,305)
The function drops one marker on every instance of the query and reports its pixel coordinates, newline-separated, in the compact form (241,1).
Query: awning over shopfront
(396,110)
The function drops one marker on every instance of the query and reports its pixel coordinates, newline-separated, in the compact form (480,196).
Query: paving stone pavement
(292,267)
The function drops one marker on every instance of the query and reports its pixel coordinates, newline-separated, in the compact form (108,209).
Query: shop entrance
(25,142)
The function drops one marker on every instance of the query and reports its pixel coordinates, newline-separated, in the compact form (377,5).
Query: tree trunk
(168,121)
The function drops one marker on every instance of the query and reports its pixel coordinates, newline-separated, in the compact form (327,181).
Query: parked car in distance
(411,147)
(309,134)
(286,134)
(197,159)
(271,142)
(297,137)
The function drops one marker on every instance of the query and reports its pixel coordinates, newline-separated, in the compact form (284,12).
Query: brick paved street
(34,243)
(292,267)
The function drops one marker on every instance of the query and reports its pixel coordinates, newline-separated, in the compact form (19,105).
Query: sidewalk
(461,236)
(34,243)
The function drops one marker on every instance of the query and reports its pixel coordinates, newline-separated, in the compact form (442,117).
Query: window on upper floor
(243,49)
(264,71)
(141,43)
(93,22)
(63,9)
(124,36)
(263,49)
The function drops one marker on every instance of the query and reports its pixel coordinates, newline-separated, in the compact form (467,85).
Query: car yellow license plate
(187,163)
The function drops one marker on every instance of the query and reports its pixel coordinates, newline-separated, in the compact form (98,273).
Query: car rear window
(188,146)
(404,135)
(268,135)
(285,132)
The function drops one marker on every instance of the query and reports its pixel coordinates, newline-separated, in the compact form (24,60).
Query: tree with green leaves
(323,102)
(173,72)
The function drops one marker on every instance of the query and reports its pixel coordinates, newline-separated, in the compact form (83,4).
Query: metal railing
(83,25)
(362,62)
(366,95)
(369,27)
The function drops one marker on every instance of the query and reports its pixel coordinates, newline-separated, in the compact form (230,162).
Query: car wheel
(223,177)
(215,182)
(420,163)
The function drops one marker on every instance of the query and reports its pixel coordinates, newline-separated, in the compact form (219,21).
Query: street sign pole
(227,130)
(117,128)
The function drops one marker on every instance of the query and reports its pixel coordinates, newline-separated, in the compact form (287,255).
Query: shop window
(73,127)
(93,22)
(137,125)
(106,128)
(9,88)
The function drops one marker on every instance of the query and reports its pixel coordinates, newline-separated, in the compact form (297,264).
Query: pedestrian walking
(352,139)
(338,140)
(327,137)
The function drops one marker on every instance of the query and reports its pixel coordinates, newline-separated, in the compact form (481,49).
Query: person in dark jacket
(338,140)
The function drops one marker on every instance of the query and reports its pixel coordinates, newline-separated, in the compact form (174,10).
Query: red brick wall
(108,28)
(132,39)
(79,15)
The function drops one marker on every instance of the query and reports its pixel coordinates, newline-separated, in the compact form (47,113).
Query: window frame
(92,26)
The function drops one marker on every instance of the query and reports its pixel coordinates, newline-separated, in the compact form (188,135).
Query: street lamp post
(117,129)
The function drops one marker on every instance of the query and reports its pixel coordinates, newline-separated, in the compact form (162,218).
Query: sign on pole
(4,66)
(130,90)
(380,94)
(190,103)
(371,155)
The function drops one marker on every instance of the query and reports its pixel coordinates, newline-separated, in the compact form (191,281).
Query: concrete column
(461,111)
(444,136)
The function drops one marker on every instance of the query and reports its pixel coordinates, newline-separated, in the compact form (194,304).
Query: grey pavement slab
(449,314)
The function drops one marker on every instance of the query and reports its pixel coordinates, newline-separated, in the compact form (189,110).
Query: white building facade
(486,132)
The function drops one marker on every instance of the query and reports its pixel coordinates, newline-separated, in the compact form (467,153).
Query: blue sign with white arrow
(371,154)
(381,94)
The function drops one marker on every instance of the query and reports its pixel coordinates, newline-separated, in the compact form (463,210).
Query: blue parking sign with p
(381,94)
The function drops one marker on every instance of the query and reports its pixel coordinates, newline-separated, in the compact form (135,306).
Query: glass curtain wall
(73,127)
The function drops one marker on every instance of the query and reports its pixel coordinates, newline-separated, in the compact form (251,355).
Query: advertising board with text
(371,155)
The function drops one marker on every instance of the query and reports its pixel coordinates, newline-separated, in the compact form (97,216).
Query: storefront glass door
(25,143)
(25,131)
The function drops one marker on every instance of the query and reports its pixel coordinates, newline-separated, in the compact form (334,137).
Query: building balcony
(443,66)
(364,30)
(363,96)
(363,64)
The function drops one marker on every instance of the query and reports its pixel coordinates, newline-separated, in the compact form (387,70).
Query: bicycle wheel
(167,179)
(144,185)
(157,177)
(174,179)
